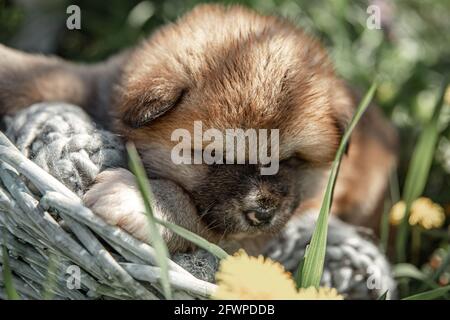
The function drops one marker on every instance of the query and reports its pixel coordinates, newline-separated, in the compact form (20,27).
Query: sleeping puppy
(227,67)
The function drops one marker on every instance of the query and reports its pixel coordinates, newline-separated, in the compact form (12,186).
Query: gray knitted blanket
(62,140)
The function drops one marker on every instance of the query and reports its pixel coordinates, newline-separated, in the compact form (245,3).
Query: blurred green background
(410,54)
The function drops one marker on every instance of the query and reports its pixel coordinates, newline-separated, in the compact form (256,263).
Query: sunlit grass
(311,269)
(10,290)
(418,171)
(155,237)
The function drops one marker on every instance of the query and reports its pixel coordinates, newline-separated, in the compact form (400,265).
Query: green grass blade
(299,272)
(429,295)
(194,238)
(383,296)
(418,171)
(384,226)
(314,258)
(394,197)
(11,292)
(50,282)
(156,239)
(407,270)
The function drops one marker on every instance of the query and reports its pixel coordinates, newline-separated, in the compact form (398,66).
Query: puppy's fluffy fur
(228,67)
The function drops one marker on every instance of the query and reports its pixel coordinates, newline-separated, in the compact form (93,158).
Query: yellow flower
(427,214)
(243,277)
(397,213)
(424,212)
(321,293)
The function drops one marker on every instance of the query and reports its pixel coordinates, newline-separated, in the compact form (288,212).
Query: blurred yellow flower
(321,293)
(256,278)
(427,214)
(397,213)
(424,212)
(244,277)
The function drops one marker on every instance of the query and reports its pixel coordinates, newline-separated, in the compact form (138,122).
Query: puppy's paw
(115,197)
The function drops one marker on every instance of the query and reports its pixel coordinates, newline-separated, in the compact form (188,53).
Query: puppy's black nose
(259,217)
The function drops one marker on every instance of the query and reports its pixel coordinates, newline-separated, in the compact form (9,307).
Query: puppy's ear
(148,101)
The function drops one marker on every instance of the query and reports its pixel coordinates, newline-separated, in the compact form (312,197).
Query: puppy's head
(232,68)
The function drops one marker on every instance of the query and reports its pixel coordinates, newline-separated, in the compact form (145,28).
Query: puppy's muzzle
(259,217)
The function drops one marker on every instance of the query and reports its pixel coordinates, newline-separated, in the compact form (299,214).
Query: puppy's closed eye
(292,162)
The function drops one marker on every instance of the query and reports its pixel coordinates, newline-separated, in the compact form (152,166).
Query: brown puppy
(228,67)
